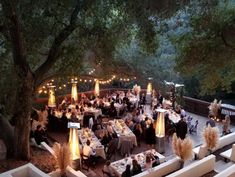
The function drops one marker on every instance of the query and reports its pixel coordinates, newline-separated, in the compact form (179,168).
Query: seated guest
(110,128)
(149,162)
(130,124)
(210,122)
(73,117)
(108,171)
(88,151)
(136,168)
(127,172)
(112,146)
(40,135)
(106,138)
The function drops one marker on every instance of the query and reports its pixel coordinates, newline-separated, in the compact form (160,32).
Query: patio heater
(149,91)
(74,92)
(97,87)
(51,96)
(160,131)
(74,141)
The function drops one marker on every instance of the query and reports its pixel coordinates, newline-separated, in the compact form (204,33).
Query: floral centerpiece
(136,89)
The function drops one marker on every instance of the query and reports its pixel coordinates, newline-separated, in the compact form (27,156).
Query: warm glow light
(149,88)
(160,124)
(74,143)
(74,92)
(97,87)
(51,96)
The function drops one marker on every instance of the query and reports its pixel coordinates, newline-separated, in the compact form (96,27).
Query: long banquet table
(86,134)
(123,132)
(120,165)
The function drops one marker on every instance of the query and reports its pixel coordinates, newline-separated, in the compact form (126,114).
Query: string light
(43,89)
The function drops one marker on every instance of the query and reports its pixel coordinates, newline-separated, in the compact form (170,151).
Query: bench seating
(200,152)
(229,154)
(196,169)
(228,172)
(70,172)
(48,148)
(25,170)
(162,169)
(223,141)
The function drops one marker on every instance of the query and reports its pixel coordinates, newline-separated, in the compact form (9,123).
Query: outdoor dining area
(120,130)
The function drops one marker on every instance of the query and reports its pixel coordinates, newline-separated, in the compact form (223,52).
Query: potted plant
(63,158)
(211,137)
(182,148)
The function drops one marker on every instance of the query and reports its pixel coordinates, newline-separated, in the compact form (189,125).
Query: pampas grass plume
(211,137)
(182,148)
(63,157)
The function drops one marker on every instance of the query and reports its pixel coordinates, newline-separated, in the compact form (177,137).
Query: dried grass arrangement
(182,148)
(214,107)
(211,137)
(63,157)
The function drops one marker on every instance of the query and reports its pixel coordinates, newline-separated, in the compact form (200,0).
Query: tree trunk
(7,134)
(22,115)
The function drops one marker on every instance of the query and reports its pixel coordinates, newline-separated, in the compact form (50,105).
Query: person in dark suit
(181,129)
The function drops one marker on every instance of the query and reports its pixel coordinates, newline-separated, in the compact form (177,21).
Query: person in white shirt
(88,151)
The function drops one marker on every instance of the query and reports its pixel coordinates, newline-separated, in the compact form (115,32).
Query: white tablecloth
(120,165)
(123,132)
(95,143)
(174,116)
(96,112)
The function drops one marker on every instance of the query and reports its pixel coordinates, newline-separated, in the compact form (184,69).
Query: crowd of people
(134,116)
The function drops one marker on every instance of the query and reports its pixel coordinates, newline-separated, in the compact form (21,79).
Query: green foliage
(208,50)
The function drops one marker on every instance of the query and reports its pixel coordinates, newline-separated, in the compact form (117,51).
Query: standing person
(226,125)
(127,172)
(181,128)
(150,135)
(138,132)
(160,98)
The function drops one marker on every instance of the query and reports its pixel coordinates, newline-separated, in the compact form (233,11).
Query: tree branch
(15,33)
(226,43)
(62,36)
